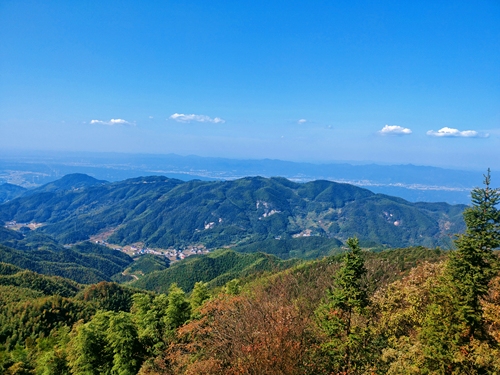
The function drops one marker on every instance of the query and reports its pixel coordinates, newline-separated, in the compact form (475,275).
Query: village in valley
(138,249)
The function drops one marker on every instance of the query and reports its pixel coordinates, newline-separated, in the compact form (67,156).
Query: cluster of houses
(182,254)
(172,254)
(12,224)
(146,250)
(19,226)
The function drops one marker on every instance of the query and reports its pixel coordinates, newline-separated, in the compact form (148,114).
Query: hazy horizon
(384,83)
(21,153)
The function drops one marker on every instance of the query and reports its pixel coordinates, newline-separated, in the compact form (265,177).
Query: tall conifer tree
(454,326)
(347,300)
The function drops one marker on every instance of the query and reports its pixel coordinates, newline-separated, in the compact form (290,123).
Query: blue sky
(371,81)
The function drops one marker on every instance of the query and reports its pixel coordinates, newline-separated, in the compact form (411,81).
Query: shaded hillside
(301,247)
(166,213)
(46,285)
(10,191)
(146,264)
(72,181)
(84,263)
(216,268)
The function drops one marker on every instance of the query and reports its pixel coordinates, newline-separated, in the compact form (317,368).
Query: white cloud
(302,121)
(113,121)
(394,130)
(450,132)
(180,117)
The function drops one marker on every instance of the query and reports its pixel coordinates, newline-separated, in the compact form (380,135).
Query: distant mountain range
(161,212)
(413,183)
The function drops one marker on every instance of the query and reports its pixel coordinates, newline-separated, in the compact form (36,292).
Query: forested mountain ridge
(215,269)
(72,181)
(84,263)
(163,212)
(10,191)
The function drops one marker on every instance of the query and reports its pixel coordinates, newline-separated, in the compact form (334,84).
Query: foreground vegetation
(404,311)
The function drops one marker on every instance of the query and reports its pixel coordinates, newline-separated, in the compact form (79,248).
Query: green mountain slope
(74,181)
(146,264)
(166,213)
(302,247)
(216,268)
(85,263)
(10,191)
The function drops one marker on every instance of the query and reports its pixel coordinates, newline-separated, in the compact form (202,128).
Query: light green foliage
(88,353)
(233,287)
(199,295)
(123,341)
(108,344)
(50,354)
(178,309)
(149,316)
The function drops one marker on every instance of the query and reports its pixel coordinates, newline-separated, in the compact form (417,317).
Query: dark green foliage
(10,191)
(32,318)
(216,268)
(74,181)
(349,293)
(9,235)
(302,247)
(8,269)
(48,285)
(164,213)
(346,343)
(148,263)
(455,321)
(109,296)
(85,263)
(473,264)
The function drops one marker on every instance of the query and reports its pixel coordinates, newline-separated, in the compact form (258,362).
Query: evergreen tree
(346,303)
(454,329)
(473,265)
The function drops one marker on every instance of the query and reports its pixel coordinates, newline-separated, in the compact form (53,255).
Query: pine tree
(454,327)
(472,266)
(346,301)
